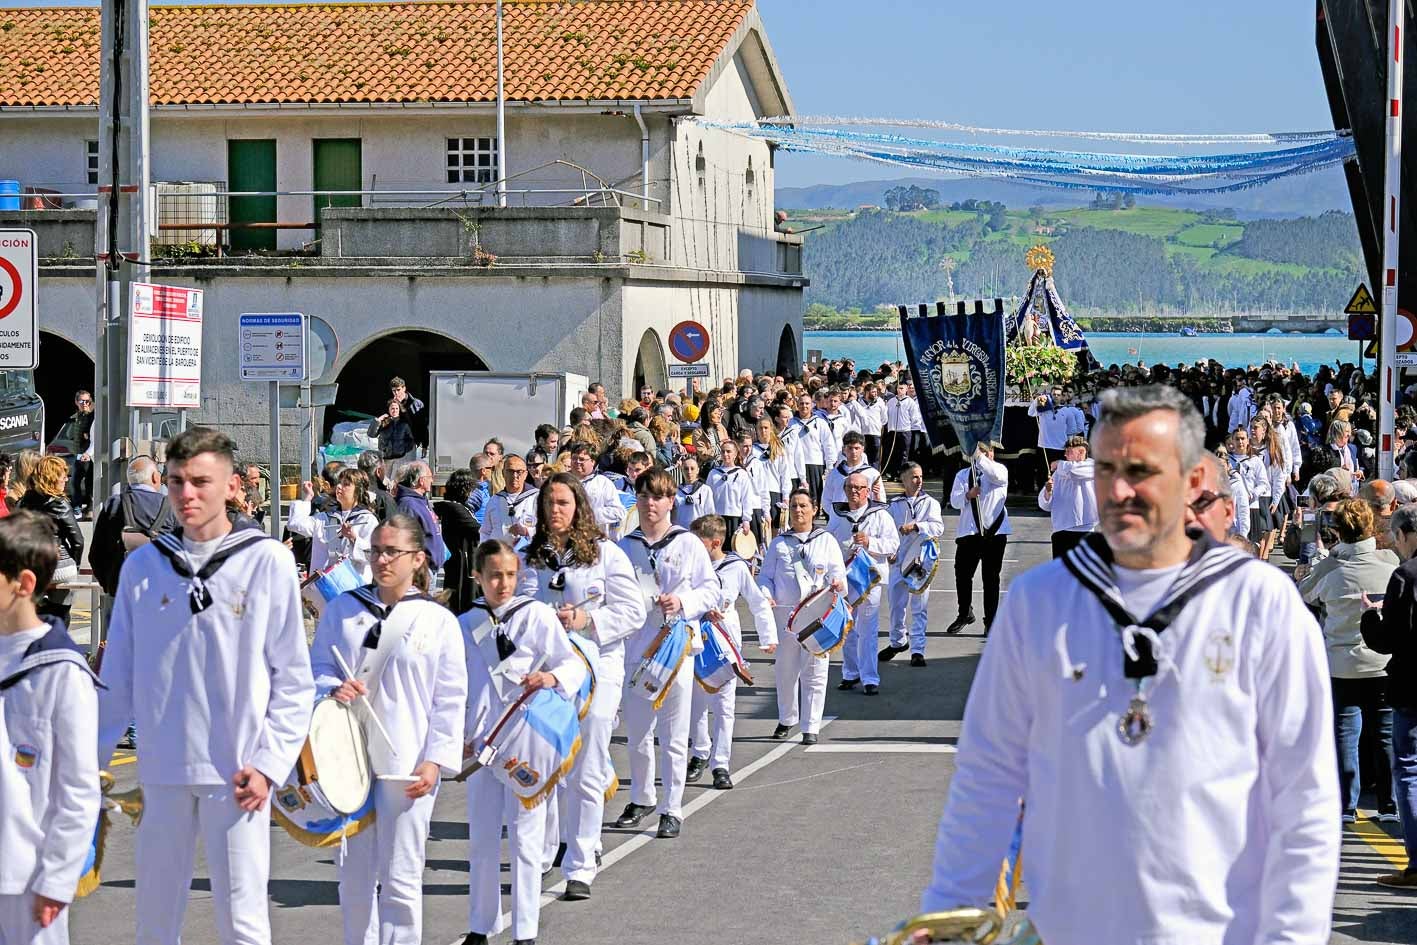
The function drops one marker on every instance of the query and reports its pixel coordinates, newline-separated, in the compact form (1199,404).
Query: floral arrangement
(1030,366)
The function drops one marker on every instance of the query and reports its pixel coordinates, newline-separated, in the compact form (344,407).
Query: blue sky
(1100,65)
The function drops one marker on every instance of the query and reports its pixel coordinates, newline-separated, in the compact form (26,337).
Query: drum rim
(358,728)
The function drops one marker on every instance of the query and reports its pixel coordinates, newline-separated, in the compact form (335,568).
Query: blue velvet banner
(957,357)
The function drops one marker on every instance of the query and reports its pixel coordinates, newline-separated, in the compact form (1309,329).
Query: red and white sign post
(1392,206)
(165,347)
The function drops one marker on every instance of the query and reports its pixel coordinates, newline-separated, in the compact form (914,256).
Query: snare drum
(533,745)
(917,560)
(661,661)
(329,796)
(319,589)
(721,662)
(861,576)
(745,545)
(821,622)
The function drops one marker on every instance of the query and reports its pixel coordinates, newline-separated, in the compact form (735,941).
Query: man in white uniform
(1068,496)
(853,460)
(1162,708)
(865,528)
(602,492)
(914,512)
(207,652)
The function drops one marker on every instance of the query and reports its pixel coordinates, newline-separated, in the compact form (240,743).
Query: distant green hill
(1125,261)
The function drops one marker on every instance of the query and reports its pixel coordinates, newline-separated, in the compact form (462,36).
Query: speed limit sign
(19,315)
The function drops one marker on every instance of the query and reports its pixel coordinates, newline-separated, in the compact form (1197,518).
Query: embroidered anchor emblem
(162,604)
(1219,655)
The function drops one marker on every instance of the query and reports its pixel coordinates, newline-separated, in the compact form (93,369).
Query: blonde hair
(24,470)
(1353,520)
(48,476)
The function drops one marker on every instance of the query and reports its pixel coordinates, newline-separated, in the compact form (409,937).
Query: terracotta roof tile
(380,52)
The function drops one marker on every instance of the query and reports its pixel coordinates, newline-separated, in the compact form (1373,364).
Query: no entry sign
(19,315)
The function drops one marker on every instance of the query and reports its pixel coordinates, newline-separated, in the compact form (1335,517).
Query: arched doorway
(789,359)
(649,365)
(63,369)
(410,354)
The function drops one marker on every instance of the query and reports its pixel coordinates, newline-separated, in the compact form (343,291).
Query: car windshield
(16,382)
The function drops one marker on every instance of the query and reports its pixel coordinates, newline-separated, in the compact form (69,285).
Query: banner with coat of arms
(957,358)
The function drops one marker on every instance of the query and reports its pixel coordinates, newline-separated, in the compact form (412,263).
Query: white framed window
(91,159)
(472,160)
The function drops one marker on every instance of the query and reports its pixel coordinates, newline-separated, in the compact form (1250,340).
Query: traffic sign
(272,347)
(1362,302)
(1362,327)
(681,371)
(689,341)
(19,313)
(165,346)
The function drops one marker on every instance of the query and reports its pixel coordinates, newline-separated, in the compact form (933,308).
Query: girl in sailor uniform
(797,562)
(407,655)
(760,479)
(339,533)
(732,488)
(590,584)
(714,749)
(49,794)
(694,499)
(514,644)
(777,459)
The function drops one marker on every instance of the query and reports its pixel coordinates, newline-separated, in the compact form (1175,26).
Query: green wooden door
(337,167)
(251,166)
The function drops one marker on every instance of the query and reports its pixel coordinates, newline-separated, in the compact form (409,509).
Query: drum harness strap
(198,596)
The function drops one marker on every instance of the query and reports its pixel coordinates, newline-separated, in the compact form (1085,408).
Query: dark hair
(413,528)
(656,483)
(369,463)
(709,526)
(640,456)
(28,542)
(583,535)
(852,438)
(396,382)
(639,415)
(459,485)
(492,548)
(191,443)
(359,480)
(543,430)
(800,490)
(576,447)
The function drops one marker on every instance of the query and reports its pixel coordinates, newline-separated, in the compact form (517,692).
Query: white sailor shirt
(834,486)
(605,502)
(421,693)
(1073,505)
(735,579)
(506,510)
(327,546)
(763,478)
(607,591)
(1219,827)
(1055,425)
(505,646)
(921,510)
(218,689)
(910,417)
(832,431)
(809,441)
(875,522)
(872,417)
(732,490)
(791,437)
(798,563)
(692,500)
(675,564)
(993,481)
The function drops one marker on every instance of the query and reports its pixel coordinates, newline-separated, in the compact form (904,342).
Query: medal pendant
(1135,724)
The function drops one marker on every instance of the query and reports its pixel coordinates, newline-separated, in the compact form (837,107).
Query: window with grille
(472,160)
(91,153)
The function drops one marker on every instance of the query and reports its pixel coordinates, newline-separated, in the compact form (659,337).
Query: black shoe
(872,690)
(808,738)
(576,891)
(475,938)
(633,814)
(917,659)
(962,621)
(668,827)
(781,732)
(846,684)
(696,769)
(890,653)
(721,780)
(524,941)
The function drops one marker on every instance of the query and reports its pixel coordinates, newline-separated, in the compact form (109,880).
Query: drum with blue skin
(821,622)
(319,589)
(861,576)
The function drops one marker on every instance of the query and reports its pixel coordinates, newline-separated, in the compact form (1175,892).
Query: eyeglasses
(377,553)
(83,403)
(858,488)
(1206,499)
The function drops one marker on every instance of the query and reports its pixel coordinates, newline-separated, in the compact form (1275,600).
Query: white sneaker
(1389,817)
(1350,817)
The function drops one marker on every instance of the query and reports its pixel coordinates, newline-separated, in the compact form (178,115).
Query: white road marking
(881,748)
(819,774)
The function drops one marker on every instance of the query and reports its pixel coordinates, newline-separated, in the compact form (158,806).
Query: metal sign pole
(1392,206)
(275,459)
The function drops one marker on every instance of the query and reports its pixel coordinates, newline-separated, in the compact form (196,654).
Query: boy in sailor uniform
(49,793)
(853,460)
(604,496)
(207,652)
(511,513)
(864,527)
(798,562)
(735,580)
(811,428)
(694,499)
(836,423)
(409,672)
(790,432)
(1068,497)
(732,487)
(514,644)
(915,511)
(677,579)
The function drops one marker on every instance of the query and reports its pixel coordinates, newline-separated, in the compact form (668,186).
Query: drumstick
(349,675)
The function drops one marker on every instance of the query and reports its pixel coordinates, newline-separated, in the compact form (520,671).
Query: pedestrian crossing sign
(1362,302)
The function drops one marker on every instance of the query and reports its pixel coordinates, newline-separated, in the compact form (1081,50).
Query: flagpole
(1392,205)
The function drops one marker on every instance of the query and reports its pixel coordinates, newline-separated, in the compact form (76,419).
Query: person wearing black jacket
(136,515)
(396,438)
(1390,626)
(372,465)
(46,496)
(460,536)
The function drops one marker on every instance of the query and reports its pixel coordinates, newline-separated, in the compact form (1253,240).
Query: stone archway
(410,354)
(650,367)
(789,358)
(64,368)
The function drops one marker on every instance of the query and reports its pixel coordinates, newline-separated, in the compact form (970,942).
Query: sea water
(870,348)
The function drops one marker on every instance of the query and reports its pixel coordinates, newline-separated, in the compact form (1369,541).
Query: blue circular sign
(688,341)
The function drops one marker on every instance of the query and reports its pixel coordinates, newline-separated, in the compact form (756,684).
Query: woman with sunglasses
(590,583)
(406,650)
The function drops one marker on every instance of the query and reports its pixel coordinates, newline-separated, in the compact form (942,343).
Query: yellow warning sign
(1362,302)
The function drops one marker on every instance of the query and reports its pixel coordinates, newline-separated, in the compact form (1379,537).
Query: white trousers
(801,679)
(381,875)
(238,848)
(584,788)
(858,655)
(671,724)
(722,704)
(918,606)
(18,927)
(489,805)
